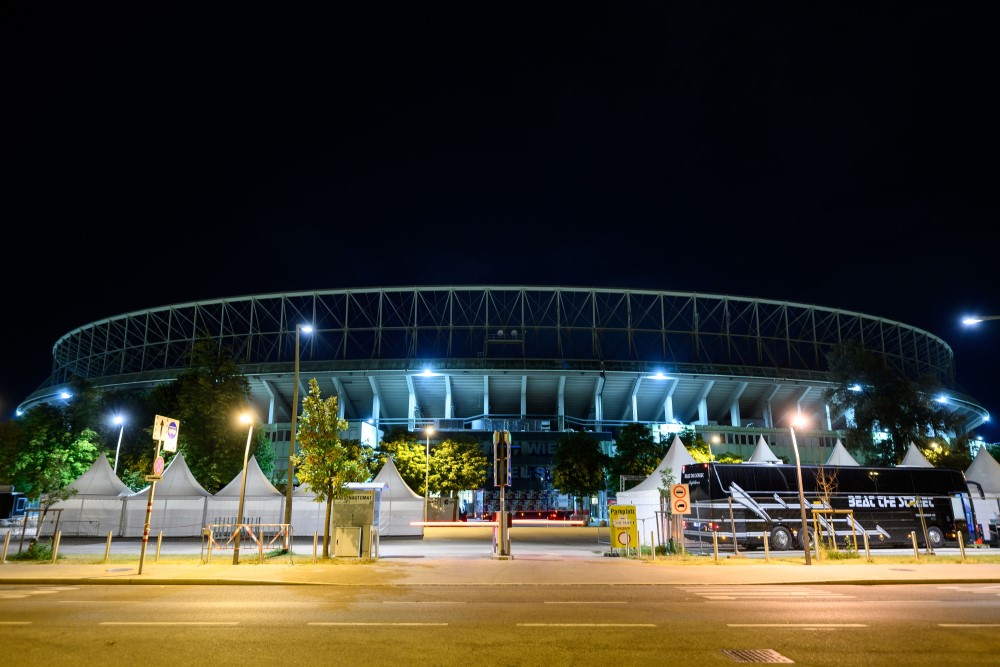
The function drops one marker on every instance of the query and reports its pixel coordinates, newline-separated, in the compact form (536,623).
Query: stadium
(535,361)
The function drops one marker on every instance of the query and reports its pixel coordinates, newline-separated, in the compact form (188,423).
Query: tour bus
(746,501)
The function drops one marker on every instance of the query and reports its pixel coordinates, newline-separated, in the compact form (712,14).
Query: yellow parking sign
(624,532)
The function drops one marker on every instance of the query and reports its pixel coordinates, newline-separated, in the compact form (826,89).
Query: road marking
(969,625)
(797,625)
(15,622)
(374,624)
(156,623)
(583,602)
(586,625)
(725,593)
(423,602)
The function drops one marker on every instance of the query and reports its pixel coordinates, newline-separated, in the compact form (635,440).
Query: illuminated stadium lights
(976,319)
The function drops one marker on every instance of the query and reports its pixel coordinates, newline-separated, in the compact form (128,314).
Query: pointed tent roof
(677,457)
(985,470)
(840,456)
(177,482)
(395,488)
(100,481)
(915,459)
(763,454)
(258,485)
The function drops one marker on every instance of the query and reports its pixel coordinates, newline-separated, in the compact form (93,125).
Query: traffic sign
(680,502)
(158,466)
(153,478)
(165,430)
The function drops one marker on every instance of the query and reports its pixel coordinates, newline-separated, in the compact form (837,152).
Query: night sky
(836,156)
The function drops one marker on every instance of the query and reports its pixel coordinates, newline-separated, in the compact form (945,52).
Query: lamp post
(713,439)
(427,469)
(246,418)
(802,497)
(291,441)
(121,422)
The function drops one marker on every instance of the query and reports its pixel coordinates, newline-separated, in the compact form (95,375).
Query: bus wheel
(806,541)
(935,537)
(781,538)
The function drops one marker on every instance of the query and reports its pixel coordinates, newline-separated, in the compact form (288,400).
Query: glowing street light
(976,319)
(307,328)
(120,421)
(427,469)
(246,418)
(798,420)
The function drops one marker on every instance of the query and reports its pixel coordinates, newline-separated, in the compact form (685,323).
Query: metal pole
(427,474)
(291,441)
(802,498)
(119,447)
(243,491)
(149,514)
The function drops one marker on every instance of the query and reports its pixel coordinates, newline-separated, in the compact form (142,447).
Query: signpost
(624,531)
(165,432)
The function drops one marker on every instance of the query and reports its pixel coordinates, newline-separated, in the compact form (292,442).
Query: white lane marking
(969,625)
(15,622)
(423,602)
(13,596)
(332,623)
(797,625)
(156,623)
(586,625)
(583,602)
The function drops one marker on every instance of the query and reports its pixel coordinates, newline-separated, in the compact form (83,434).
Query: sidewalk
(444,557)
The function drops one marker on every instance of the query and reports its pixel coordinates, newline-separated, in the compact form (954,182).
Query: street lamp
(714,439)
(427,469)
(976,319)
(246,418)
(291,442)
(798,421)
(121,422)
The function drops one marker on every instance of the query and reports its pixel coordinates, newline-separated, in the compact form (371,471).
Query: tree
(702,453)
(407,454)
(205,399)
(636,453)
(456,465)
(579,466)
(882,401)
(325,463)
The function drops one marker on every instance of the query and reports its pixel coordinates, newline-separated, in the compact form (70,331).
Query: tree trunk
(326,526)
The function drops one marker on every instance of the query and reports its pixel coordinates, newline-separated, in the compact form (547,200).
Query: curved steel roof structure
(531,358)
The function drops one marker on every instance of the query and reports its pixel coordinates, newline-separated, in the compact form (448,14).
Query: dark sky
(837,156)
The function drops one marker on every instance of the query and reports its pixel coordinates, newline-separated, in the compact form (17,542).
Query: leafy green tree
(12,442)
(579,466)
(456,465)
(49,455)
(636,453)
(325,463)
(407,454)
(702,453)
(883,401)
(265,455)
(205,399)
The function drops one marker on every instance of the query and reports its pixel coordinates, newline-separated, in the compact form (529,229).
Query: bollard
(107,548)
(868,553)
(961,545)
(260,550)
(315,544)
(715,544)
(652,545)
(6,543)
(767,548)
(55,546)
(159,541)
(916,550)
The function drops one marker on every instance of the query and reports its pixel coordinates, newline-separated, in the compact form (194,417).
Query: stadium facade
(536,361)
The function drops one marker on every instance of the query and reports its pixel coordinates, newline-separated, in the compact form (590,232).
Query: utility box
(358,510)
(347,541)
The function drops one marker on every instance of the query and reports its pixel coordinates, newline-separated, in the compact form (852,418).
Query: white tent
(646,494)
(98,504)
(400,504)
(262,503)
(179,504)
(840,456)
(762,453)
(914,459)
(985,493)
(307,514)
